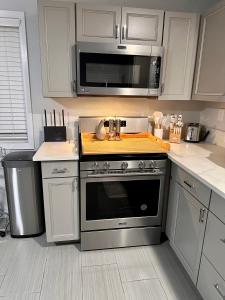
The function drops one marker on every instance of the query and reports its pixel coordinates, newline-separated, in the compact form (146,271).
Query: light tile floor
(30,269)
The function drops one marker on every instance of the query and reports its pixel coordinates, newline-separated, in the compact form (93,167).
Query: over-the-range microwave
(108,69)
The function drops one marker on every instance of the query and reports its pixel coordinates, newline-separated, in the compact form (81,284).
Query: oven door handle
(124,174)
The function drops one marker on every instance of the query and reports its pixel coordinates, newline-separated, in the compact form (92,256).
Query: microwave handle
(74,86)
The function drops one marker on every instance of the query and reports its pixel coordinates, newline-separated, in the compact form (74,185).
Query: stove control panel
(125,166)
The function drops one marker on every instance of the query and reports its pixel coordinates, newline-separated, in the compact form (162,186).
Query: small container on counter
(158,132)
(176,124)
(111,130)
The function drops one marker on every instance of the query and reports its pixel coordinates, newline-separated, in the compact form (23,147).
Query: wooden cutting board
(129,144)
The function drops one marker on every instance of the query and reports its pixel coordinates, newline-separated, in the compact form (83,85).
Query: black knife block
(55,133)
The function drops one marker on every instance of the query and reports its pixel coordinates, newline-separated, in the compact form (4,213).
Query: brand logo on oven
(144,207)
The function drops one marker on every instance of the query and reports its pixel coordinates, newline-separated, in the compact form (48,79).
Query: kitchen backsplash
(214,120)
(111,106)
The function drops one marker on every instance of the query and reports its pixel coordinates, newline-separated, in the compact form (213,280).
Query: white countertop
(206,162)
(50,151)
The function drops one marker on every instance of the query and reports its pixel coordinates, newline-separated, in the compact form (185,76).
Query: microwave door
(113,74)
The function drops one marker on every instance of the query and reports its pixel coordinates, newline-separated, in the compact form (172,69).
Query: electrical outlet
(123,123)
(221,115)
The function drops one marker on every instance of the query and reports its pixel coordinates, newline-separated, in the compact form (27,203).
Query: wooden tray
(129,144)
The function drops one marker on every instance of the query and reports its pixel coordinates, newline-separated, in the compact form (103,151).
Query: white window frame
(17,144)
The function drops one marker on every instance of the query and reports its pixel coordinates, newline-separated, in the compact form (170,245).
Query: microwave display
(116,70)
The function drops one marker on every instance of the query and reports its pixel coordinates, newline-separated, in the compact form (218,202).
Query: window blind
(13,115)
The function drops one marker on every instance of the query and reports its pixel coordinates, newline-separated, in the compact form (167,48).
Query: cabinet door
(210,68)
(61,209)
(171,210)
(210,284)
(189,230)
(142,26)
(180,44)
(57,40)
(98,23)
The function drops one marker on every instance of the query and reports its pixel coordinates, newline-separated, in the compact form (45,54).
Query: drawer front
(59,169)
(217,206)
(210,285)
(192,185)
(214,245)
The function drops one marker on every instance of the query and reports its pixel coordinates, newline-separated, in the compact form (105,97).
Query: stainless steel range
(121,199)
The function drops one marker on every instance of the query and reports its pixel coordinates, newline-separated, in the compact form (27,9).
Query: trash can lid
(18,158)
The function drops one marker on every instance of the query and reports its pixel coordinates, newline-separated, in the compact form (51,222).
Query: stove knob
(106,165)
(95,165)
(124,165)
(141,164)
(152,164)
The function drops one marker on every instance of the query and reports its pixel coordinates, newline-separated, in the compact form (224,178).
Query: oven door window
(114,70)
(122,199)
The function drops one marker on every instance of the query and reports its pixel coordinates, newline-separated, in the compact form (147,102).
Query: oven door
(121,201)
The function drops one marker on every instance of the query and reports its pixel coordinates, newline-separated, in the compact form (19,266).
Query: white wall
(95,106)
(214,120)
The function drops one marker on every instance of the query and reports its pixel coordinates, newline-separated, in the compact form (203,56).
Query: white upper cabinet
(210,68)
(180,44)
(98,23)
(113,24)
(142,26)
(57,40)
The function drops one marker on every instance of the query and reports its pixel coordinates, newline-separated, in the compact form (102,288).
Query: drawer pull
(59,171)
(202,215)
(216,286)
(188,184)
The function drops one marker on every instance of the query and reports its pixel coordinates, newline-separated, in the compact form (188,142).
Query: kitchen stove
(122,199)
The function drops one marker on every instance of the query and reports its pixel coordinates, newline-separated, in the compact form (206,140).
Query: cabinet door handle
(123,32)
(217,287)
(223,240)
(59,171)
(202,215)
(188,184)
(74,86)
(116,31)
(75,185)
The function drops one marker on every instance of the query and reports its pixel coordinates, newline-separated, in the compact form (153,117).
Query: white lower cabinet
(189,230)
(214,244)
(61,208)
(210,284)
(197,232)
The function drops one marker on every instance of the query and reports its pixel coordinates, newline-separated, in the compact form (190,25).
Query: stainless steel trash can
(24,194)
